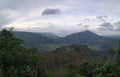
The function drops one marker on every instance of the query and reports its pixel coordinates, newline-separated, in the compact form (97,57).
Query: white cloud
(7,16)
(26,15)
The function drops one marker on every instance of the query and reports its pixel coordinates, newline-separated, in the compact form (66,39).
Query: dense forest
(66,61)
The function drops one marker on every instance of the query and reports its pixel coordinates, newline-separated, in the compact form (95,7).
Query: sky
(61,17)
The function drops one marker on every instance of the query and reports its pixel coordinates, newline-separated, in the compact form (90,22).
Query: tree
(78,75)
(86,69)
(8,41)
(117,57)
(107,70)
(17,61)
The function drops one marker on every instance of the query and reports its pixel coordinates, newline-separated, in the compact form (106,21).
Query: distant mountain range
(35,39)
(89,38)
(49,35)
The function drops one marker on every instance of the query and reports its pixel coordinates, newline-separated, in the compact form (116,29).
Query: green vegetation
(95,47)
(66,61)
(49,41)
(49,47)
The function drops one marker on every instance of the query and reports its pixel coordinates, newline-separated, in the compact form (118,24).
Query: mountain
(50,40)
(112,36)
(50,35)
(89,38)
(85,37)
(34,39)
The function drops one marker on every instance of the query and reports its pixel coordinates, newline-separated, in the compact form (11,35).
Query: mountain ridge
(85,37)
(82,37)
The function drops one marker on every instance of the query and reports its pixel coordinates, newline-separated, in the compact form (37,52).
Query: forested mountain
(49,35)
(34,39)
(89,38)
(112,36)
(85,37)
(66,61)
(77,48)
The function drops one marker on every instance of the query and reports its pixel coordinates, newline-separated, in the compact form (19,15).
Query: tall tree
(8,41)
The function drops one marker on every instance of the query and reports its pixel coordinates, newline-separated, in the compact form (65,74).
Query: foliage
(117,57)
(108,70)
(67,61)
(39,40)
(16,61)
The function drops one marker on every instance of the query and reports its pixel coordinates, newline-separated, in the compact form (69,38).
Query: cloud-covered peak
(49,11)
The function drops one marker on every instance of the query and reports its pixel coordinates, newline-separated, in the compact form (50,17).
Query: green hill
(49,40)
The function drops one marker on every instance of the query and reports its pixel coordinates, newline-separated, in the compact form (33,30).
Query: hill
(51,41)
(49,35)
(91,39)
(85,37)
(112,36)
(75,48)
(34,39)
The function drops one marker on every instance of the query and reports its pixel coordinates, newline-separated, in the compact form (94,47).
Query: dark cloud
(118,29)
(117,25)
(102,18)
(84,26)
(109,26)
(51,12)
(106,26)
(79,24)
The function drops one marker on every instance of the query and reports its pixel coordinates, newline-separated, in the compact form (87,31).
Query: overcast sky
(61,17)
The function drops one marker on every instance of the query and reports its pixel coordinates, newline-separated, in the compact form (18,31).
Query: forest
(66,61)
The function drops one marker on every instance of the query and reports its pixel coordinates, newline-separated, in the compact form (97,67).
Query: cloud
(117,26)
(51,11)
(86,26)
(102,18)
(83,26)
(7,16)
(106,26)
(87,19)
(92,14)
(110,26)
